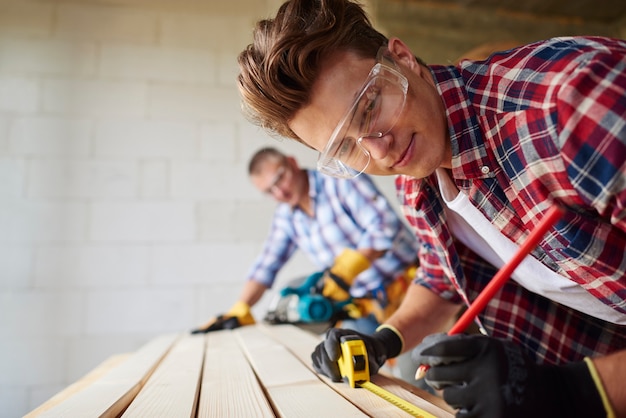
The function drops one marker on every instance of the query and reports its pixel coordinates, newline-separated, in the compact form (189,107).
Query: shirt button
(484,169)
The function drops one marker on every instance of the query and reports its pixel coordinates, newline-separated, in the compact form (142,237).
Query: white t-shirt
(470,226)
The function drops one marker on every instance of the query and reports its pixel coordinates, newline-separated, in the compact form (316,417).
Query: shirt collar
(470,157)
(314,189)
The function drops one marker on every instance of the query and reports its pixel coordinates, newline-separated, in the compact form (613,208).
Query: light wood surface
(259,370)
(109,395)
(79,385)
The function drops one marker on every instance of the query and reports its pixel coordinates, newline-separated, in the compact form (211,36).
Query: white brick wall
(125,206)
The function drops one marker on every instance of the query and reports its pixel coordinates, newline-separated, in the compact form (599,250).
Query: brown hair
(263,155)
(278,69)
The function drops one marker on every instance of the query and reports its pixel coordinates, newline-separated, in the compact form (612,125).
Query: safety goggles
(276,180)
(373,114)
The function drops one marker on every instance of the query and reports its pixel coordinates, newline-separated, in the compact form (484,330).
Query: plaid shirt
(539,125)
(348,214)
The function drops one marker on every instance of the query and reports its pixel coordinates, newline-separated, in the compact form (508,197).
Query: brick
(4,135)
(94,98)
(41,313)
(215,220)
(209,301)
(253,138)
(106,23)
(146,139)
(195,102)
(17,266)
(87,352)
(201,264)
(154,179)
(100,266)
(14,400)
(82,179)
(212,31)
(217,141)
(157,63)
(32,361)
(210,181)
(229,221)
(227,68)
(48,136)
(158,221)
(26,18)
(24,221)
(13,175)
(138,312)
(45,56)
(18,94)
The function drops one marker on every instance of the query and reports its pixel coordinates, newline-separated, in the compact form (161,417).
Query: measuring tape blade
(396,400)
(354,366)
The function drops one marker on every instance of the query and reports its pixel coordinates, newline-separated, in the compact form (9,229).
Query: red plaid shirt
(539,125)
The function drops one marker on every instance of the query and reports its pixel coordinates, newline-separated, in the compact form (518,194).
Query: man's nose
(278,192)
(377,146)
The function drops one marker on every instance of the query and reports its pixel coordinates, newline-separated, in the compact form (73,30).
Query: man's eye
(370,110)
(346,146)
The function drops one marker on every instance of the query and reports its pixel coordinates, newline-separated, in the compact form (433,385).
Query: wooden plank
(109,395)
(293,389)
(80,384)
(229,386)
(418,397)
(302,343)
(260,371)
(172,389)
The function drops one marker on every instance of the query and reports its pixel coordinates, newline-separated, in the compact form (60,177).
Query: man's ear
(291,161)
(403,54)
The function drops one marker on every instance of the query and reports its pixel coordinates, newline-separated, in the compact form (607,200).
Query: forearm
(252,292)
(422,313)
(612,370)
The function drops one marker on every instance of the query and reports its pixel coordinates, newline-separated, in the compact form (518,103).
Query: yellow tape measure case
(353,363)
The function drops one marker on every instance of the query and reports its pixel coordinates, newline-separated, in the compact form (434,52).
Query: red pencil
(501,277)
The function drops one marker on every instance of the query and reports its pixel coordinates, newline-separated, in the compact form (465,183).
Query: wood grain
(292,387)
(229,385)
(79,385)
(172,390)
(109,395)
(254,371)
(302,346)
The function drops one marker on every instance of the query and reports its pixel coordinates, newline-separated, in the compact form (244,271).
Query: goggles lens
(372,115)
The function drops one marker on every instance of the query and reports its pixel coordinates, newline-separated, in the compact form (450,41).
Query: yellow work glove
(341,275)
(238,315)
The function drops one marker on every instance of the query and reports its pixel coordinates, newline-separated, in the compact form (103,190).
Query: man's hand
(492,378)
(383,344)
(238,315)
(338,279)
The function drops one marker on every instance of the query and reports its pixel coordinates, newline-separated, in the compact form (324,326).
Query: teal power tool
(305,303)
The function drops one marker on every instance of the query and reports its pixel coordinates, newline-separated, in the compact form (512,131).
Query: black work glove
(383,344)
(219,323)
(492,378)
(238,315)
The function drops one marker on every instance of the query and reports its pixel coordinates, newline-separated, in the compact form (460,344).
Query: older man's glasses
(373,114)
(276,181)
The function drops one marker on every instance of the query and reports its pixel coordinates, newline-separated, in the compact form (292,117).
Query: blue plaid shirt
(347,214)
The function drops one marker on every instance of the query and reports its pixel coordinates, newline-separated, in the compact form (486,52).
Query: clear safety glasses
(373,114)
(276,181)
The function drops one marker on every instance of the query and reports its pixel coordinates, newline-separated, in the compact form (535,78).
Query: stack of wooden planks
(253,371)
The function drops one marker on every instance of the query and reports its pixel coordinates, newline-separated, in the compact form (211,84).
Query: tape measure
(354,366)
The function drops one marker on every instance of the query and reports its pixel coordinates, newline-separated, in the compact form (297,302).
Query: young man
(344,226)
(482,150)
